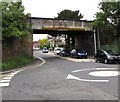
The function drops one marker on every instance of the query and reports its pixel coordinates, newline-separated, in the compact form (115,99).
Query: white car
(45,50)
(57,50)
(36,48)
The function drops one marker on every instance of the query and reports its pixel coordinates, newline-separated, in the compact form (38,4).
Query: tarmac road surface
(61,79)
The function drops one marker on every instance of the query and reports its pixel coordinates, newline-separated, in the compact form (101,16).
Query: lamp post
(95,45)
(118,23)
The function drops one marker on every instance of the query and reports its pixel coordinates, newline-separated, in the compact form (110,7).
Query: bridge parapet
(53,24)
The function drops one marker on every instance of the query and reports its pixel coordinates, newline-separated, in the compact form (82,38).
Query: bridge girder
(55,32)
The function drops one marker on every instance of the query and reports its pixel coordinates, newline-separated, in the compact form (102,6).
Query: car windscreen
(58,49)
(66,50)
(44,49)
(80,51)
(111,52)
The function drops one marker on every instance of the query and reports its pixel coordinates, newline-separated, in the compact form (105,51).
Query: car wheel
(75,56)
(106,61)
(96,60)
(85,57)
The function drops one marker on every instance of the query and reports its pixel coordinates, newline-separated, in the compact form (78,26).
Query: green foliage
(16,62)
(111,47)
(107,21)
(44,43)
(70,15)
(0,22)
(15,23)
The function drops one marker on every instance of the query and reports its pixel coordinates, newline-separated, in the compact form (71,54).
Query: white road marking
(43,62)
(4,84)
(7,78)
(72,77)
(106,68)
(4,81)
(11,75)
(104,73)
(86,80)
(93,69)
(98,73)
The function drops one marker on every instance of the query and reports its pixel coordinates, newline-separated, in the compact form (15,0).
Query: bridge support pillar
(72,42)
(78,42)
(67,39)
(85,41)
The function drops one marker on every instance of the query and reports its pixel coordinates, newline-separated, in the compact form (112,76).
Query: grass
(16,62)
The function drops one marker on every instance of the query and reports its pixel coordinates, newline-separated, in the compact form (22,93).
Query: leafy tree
(44,43)
(107,21)
(70,15)
(15,23)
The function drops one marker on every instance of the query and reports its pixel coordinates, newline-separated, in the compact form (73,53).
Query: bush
(111,47)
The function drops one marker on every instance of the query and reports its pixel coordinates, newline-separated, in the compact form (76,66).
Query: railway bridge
(78,33)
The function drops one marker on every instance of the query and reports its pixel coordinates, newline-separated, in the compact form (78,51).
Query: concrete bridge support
(67,39)
(70,41)
(78,42)
(85,41)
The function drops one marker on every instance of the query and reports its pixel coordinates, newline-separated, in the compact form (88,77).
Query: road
(61,79)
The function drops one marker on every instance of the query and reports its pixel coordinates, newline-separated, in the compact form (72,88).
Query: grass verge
(16,62)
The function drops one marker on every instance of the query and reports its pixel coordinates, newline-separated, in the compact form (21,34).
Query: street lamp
(118,23)
(95,44)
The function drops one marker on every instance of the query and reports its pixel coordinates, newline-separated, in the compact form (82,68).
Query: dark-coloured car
(64,52)
(78,54)
(107,56)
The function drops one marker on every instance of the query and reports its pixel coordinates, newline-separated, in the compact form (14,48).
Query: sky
(50,8)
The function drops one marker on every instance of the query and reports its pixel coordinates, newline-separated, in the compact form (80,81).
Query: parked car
(64,52)
(57,50)
(36,48)
(78,54)
(45,50)
(107,56)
